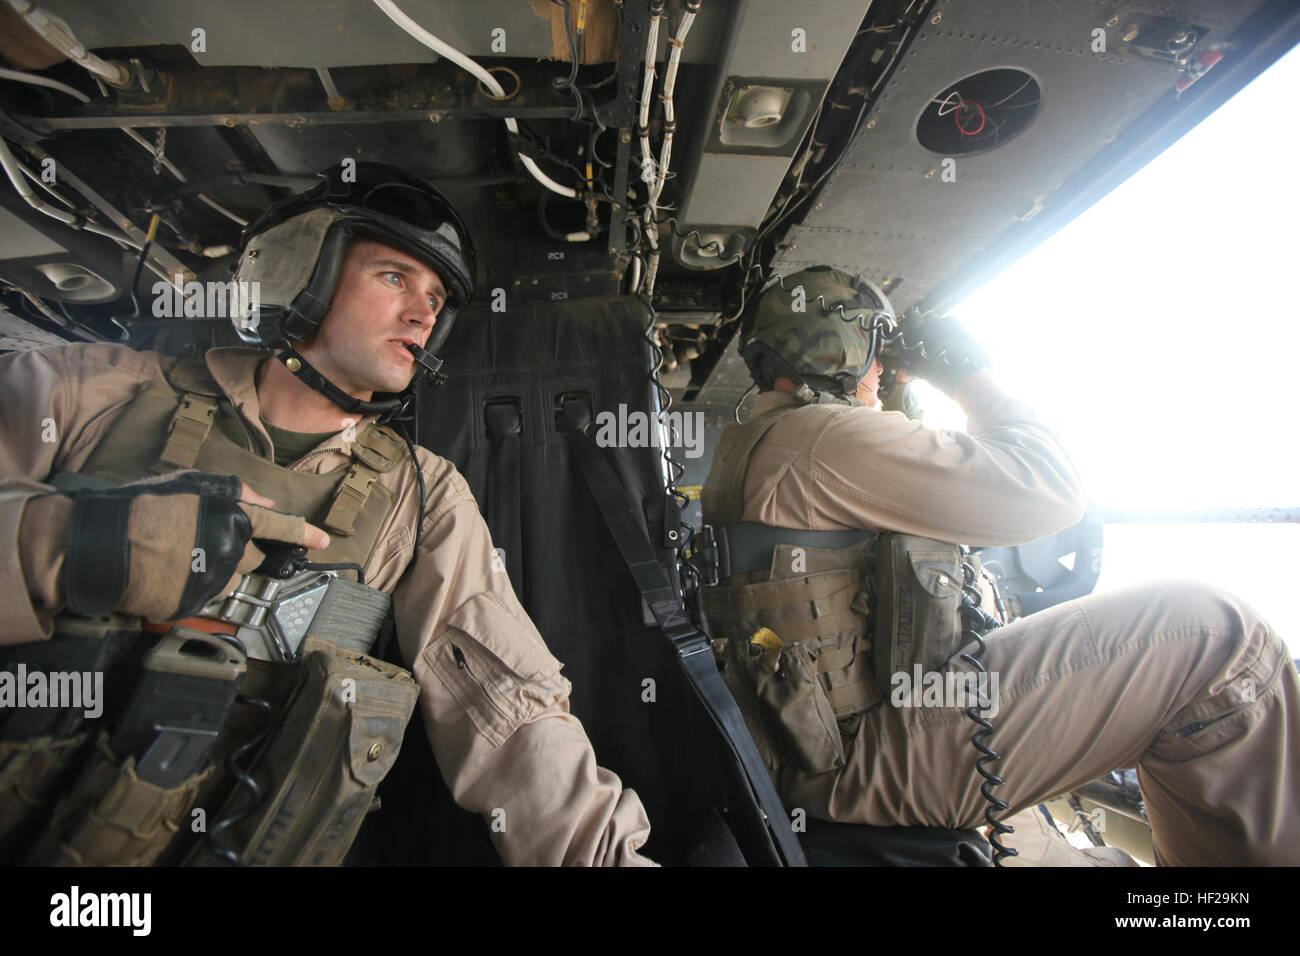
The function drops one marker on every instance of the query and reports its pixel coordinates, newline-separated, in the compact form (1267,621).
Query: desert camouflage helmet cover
(820,343)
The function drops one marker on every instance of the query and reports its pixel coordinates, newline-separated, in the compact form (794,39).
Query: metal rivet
(374,751)
(293,365)
(252,253)
(871,123)
(943,580)
(1130,34)
(1112,21)
(672,535)
(936,18)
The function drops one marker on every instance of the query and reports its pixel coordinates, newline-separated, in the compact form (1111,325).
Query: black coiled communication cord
(977,622)
(674,469)
(244,779)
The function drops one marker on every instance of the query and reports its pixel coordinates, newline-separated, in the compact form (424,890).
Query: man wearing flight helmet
(825,629)
(137,510)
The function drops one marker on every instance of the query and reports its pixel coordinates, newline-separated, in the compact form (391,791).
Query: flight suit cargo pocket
(113,818)
(496,666)
(790,694)
(918,584)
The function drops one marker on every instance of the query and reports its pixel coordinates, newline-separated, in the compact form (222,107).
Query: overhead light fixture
(758,107)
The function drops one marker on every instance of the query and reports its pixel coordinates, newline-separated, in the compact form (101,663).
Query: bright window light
(1160,334)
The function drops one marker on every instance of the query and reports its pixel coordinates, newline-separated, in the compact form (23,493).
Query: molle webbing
(823,611)
(797,609)
(161,431)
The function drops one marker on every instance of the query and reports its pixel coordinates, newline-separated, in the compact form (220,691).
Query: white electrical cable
(331,91)
(648,172)
(36,80)
(14,171)
(655,188)
(678,44)
(45,186)
(635,285)
(58,34)
(418,32)
(168,165)
(44,309)
(99,230)
(223,210)
(647,87)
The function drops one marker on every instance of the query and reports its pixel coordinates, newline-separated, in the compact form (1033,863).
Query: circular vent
(979,113)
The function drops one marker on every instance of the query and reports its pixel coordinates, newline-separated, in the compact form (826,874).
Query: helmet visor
(398,203)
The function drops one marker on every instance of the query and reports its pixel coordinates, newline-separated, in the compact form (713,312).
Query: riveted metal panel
(887,210)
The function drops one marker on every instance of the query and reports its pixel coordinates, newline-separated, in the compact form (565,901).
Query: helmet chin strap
(427,368)
(305,373)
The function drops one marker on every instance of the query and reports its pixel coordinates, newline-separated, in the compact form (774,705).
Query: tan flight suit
(500,728)
(1184,682)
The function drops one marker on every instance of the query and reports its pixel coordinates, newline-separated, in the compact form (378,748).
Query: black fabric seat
(850,844)
(495,420)
(642,717)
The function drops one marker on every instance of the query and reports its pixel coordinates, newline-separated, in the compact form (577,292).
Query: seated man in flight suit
(354,275)
(1186,683)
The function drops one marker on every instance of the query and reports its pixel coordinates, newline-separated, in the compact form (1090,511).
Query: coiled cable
(243,779)
(975,623)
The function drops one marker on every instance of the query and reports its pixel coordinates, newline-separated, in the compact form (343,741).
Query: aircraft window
(1158,333)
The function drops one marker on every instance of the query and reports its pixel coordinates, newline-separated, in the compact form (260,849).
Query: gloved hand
(162,549)
(953,352)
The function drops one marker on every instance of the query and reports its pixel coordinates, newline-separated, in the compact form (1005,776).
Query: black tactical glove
(163,549)
(951,353)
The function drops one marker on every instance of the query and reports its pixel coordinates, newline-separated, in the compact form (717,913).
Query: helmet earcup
(309,308)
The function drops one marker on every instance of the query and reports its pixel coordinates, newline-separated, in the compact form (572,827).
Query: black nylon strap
(749,546)
(314,379)
(504,425)
(693,648)
(98,555)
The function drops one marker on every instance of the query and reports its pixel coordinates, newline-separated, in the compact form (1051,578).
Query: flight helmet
(295,251)
(825,337)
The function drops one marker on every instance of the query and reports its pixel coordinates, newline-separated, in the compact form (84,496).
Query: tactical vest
(309,741)
(807,642)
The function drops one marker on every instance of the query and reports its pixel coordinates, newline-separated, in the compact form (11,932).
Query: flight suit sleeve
(1005,481)
(495,705)
(54,405)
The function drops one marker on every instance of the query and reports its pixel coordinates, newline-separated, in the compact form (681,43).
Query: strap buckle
(710,555)
(688,640)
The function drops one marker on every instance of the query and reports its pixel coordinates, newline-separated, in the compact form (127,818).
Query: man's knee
(1212,606)
(1240,645)
(1188,637)
(1184,605)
